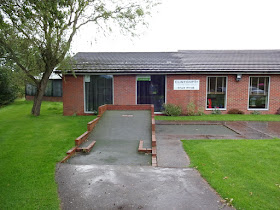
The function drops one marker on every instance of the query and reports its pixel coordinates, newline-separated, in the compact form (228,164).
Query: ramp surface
(117,137)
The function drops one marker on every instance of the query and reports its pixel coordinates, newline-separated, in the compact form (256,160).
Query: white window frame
(268,94)
(223,109)
(84,87)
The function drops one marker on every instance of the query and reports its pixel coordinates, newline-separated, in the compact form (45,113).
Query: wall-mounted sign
(144,78)
(186,84)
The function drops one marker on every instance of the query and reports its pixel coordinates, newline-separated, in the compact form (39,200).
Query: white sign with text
(186,84)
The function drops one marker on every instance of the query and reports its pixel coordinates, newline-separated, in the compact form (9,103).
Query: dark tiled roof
(192,61)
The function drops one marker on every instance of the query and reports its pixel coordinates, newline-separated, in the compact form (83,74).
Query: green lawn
(246,170)
(30,148)
(223,117)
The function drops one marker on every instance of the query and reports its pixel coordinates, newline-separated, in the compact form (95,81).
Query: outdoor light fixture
(238,77)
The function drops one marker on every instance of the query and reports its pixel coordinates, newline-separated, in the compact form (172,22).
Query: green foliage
(8,90)
(30,148)
(216,112)
(172,110)
(37,35)
(235,111)
(255,112)
(244,171)
(191,110)
(200,111)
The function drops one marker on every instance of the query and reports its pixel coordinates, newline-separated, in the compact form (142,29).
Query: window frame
(268,94)
(223,109)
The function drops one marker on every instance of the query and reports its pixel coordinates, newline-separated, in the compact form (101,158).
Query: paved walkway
(218,129)
(170,133)
(111,184)
(134,187)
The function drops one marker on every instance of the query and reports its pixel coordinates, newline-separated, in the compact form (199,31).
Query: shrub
(216,111)
(172,110)
(278,111)
(200,111)
(191,109)
(235,111)
(256,112)
(8,91)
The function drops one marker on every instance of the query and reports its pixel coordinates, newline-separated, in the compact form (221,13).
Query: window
(216,92)
(54,88)
(57,88)
(30,90)
(98,91)
(258,92)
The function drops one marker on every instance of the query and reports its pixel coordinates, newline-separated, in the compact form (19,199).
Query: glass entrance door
(151,90)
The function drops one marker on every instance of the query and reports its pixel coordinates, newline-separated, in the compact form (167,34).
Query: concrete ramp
(116,138)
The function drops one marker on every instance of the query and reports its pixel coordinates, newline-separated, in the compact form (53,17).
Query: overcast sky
(196,24)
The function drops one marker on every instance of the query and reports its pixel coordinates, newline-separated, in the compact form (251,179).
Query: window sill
(258,109)
(222,109)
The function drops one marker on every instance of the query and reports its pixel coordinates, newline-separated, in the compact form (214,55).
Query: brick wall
(237,93)
(73,95)
(45,98)
(125,93)
(183,97)
(124,89)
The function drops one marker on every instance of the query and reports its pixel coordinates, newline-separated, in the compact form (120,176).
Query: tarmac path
(116,179)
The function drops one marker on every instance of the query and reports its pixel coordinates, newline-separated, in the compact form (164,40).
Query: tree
(37,35)
(8,90)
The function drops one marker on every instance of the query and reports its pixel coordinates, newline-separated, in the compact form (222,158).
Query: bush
(216,111)
(8,91)
(172,110)
(191,109)
(235,111)
(278,111)
(200,111)
(256,112)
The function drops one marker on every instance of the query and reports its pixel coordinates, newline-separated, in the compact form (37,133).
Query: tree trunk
(36,109)
(41,87)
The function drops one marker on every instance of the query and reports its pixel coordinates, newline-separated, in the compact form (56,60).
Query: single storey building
(248,80)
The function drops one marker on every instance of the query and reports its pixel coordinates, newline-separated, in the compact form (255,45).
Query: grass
(248,171)
(30,148)
(223,117)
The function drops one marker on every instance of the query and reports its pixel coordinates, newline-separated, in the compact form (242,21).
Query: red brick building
(246,80)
